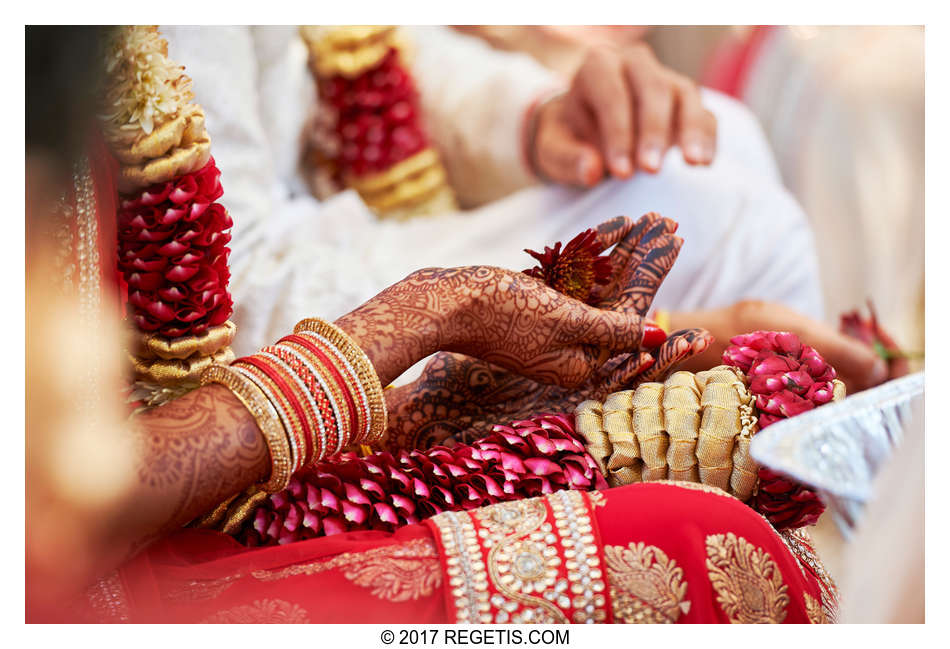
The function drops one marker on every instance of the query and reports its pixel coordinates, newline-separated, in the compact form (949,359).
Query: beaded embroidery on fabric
(799,543)
(528,561)
(107,598)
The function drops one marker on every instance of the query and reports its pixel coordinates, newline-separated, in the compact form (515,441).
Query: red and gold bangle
(297,395)
(267,420)
(261,379)
(369,379)
(336,383)
(328,399)
(323,430)
(312,395)
(355,385)
(337,379)
(288,401)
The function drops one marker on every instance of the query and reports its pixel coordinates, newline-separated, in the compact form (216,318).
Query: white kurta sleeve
(476,101)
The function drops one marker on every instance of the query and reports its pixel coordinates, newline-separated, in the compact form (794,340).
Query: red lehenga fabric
(649,552)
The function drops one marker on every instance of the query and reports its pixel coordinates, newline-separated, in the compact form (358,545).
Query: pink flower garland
(383,491)
(787,379)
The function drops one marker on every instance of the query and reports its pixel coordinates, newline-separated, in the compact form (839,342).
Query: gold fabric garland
(690,428)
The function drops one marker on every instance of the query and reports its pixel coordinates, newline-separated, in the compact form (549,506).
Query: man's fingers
(655,99)
(564,158)
(678,347)
(650,273)
(857,363)
(579,117)
(695,126)
(605,92)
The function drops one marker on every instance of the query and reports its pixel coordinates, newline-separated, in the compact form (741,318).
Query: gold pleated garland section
(692,427)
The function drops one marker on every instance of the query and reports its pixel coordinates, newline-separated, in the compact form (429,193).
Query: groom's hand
(623,111)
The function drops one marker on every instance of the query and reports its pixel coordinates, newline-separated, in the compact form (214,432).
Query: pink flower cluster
(787,379)
(383,491)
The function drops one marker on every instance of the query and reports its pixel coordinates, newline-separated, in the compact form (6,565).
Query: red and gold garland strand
(369,134)
(172,234)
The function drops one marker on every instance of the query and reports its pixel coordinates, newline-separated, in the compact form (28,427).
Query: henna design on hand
(193,452)
(460,399)
(678,347)
(514,321)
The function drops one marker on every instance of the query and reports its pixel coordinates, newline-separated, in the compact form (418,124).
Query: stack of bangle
(312,394)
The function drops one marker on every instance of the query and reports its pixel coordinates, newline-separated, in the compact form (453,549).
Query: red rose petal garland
(173,252)
(787,379)
(378,117)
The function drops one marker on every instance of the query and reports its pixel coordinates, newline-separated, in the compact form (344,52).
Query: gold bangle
(281,400)
(267,420)
(281,406)
(364,371)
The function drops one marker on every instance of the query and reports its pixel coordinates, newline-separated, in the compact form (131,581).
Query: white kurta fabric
(294,256)
(844,109)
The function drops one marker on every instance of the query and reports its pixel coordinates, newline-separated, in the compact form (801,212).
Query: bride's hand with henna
(515,321)
(462,398)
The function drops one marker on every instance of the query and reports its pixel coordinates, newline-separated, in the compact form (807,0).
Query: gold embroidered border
(406,571)
(695,486)
(398,573)
(799,544)
(530,561)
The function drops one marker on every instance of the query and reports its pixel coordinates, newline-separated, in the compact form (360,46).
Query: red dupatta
(653,552)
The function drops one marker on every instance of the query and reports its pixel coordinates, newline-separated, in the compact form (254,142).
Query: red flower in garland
(787,379)
(383,491)
(173,253)
(377,117)
(869,331)
(575,270)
